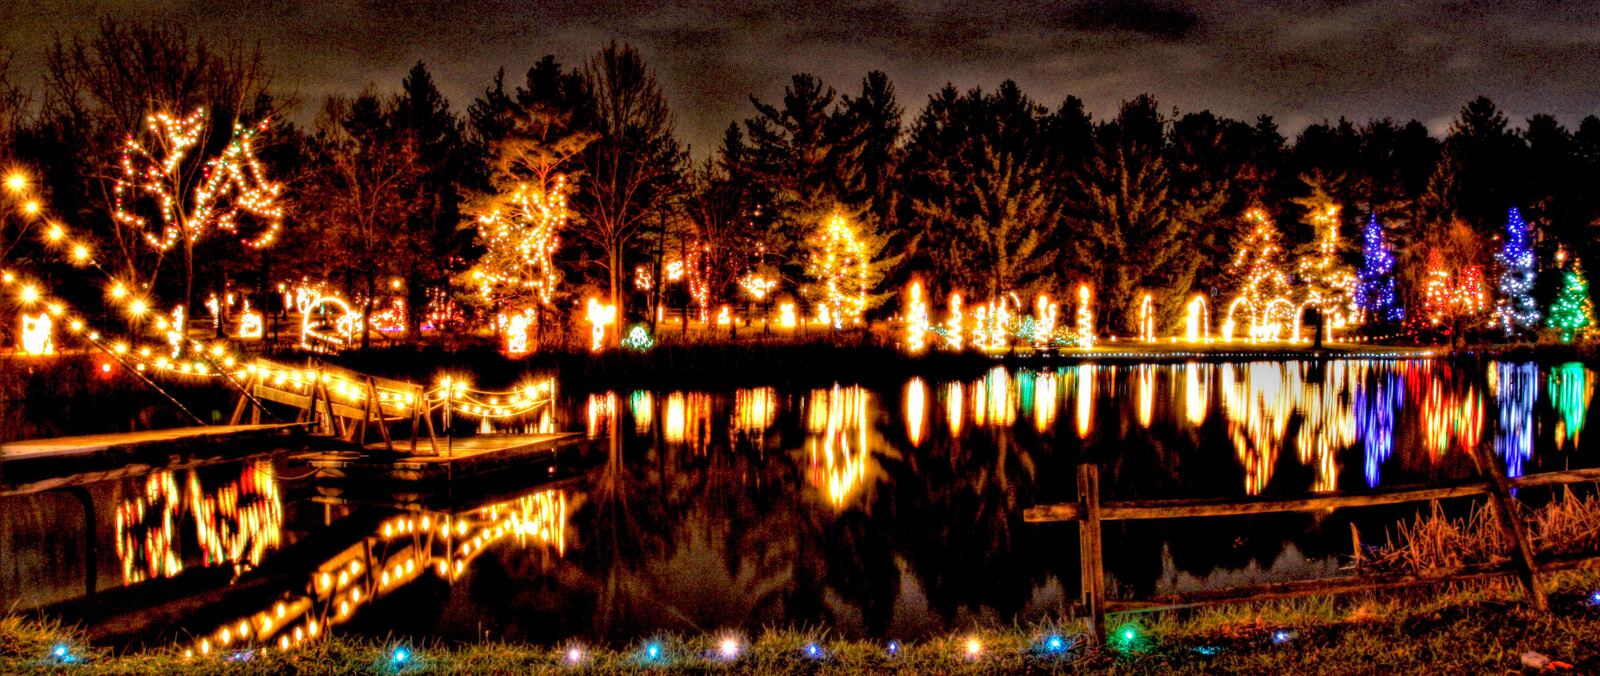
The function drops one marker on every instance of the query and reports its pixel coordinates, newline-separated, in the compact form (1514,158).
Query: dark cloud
(1164,20)
(1301,60)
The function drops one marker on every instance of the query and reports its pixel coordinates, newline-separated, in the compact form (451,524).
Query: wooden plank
(1558,478)
(1299,588)
(1350,584)
(1090,551)
(480,454)
(1127,510)
(93,443)
(1513,526)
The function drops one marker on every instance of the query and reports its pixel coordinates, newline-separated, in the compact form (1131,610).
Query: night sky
(1302,62)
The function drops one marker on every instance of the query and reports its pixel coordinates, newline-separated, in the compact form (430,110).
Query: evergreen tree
(1375,297)
(1515,309)
(1573,312)
(437,136)
(1262,283)
(1127,236)
(983,189)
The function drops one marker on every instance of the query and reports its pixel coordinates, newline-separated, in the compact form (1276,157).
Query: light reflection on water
(848,506)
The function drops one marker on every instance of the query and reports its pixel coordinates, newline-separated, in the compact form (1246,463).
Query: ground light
(894,648)
(1594,598)
(1054,644)
(652,650)
(814,651)
(63,653)
(729,648)
(974,648)
(1127,637)
(1280,636)
(400,656)
(574,655)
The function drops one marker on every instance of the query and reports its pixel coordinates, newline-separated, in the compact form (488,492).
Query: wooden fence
(1090,511)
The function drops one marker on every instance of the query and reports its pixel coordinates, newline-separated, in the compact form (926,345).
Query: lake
(884,512)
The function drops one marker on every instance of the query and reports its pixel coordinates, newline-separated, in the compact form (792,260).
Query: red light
(105,368)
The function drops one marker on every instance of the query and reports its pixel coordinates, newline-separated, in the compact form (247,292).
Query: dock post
(1089,551)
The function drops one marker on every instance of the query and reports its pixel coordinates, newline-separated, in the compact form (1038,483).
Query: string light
(233,184)
(1327,283)
(757,286)
(1085,318)
(638,339)
(1147,320)
(916,320)
(517,334)
(1573,312)
(840,263)
(599,316)
(520,236)
(1263,282)
(1515,309)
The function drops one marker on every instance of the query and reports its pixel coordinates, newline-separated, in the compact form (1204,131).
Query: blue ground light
(1054,644)
(63,653)
(400,656)
(1594,598)
(652,651)
(894,648)
(1280,636)
(814,651)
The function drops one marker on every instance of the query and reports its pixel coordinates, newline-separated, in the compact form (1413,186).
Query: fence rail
(1089,511)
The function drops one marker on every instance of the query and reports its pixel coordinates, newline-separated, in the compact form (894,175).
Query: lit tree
(174,196)
(1329,284)
(843,267)
(1258,266)
(1572,312)
(520,238)
(1515,310)
(1455,295)
(1375,288)
(1437,299)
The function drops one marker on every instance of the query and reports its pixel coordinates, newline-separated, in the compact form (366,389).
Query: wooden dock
(44,464)
(460,458)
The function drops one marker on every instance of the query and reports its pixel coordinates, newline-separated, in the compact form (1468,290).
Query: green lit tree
(1573,312)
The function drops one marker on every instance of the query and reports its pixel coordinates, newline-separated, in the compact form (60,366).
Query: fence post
(1089,552)
(1512,526)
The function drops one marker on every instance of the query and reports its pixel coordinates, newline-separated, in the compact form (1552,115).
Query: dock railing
(1090,512)
(354,403)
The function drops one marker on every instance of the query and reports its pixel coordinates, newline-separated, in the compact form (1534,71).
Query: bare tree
(107,86)
(365,188)
(634,162)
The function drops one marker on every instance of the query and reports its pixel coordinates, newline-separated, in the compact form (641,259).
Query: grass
(1473,629)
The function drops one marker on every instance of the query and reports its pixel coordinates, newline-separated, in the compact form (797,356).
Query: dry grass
(1434,541)
(1567,525)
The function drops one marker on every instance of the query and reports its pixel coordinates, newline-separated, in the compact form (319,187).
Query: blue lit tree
(1375,283)
(1515,310)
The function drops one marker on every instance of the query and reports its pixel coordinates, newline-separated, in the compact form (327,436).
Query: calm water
(875,512)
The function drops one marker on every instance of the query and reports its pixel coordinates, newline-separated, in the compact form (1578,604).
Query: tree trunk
(366,312)
(614,256)
(188,286)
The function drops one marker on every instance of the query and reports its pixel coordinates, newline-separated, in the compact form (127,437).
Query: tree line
(979,191)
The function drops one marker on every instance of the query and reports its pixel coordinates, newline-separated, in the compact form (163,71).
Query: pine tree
(1327,283)
(1263,283)
(1572,312)
(1375,290)
(1515,309)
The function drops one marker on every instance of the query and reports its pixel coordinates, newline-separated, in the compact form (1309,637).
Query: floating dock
(459,458)
(43,464)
